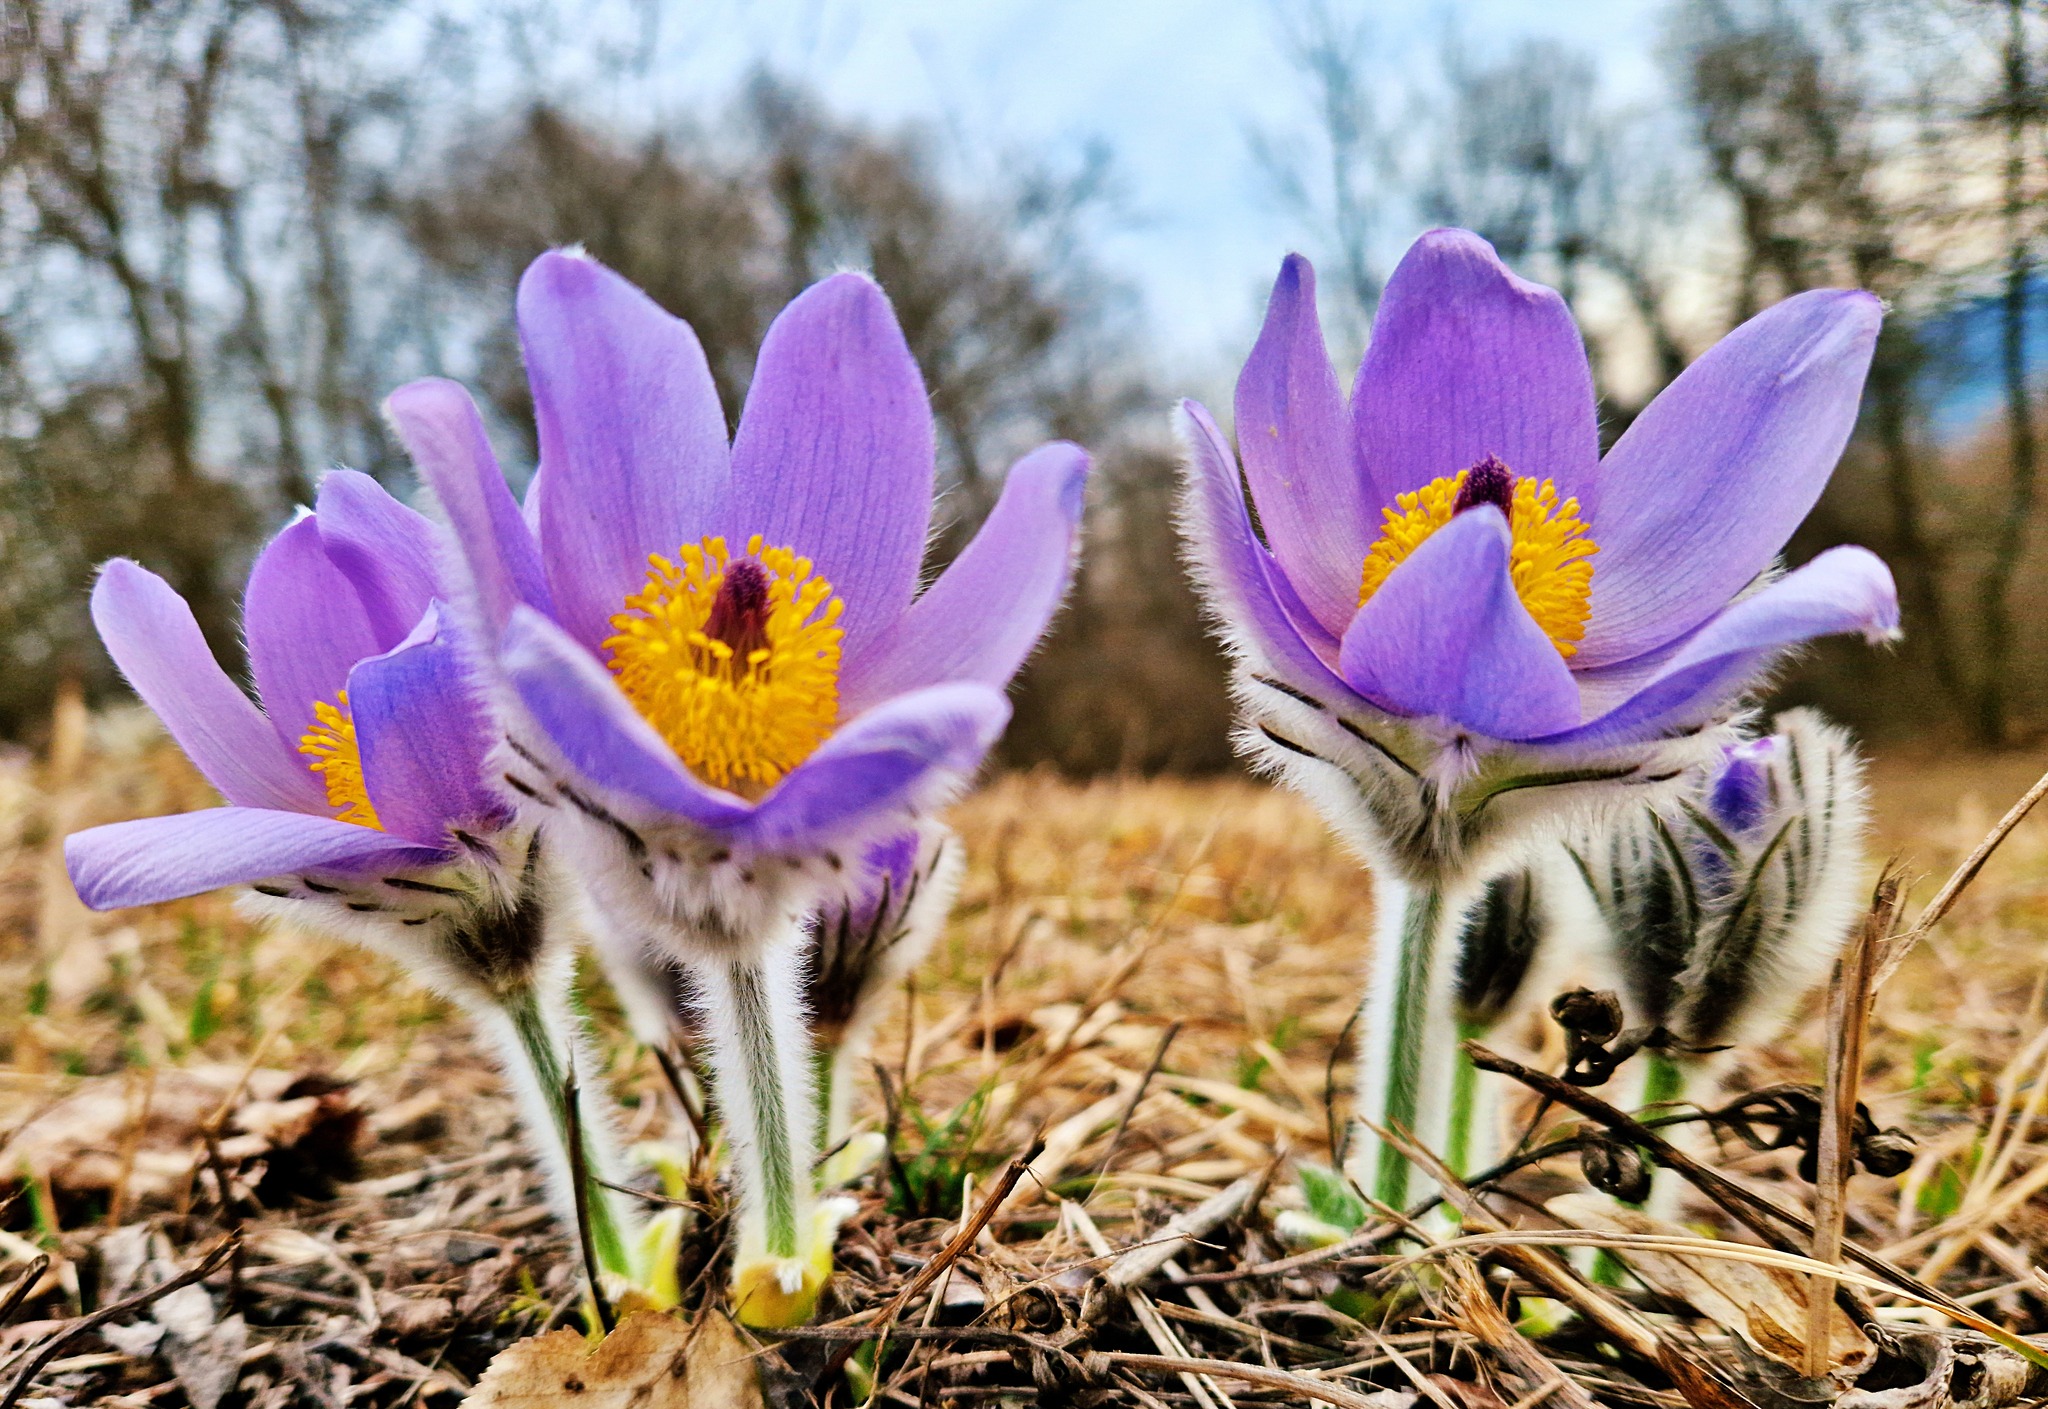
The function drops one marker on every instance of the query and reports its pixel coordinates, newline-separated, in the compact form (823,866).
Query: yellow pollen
(331,744)
(1548,561)
(737,718)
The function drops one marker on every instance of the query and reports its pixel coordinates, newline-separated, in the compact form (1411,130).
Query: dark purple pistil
(1488,482)
(739,613)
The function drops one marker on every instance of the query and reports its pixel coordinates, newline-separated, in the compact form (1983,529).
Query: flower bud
(875,931)
(1727,906)
(864,940)
(1887,1154)
(1498,943)
(1617,1168)
(1585,1013)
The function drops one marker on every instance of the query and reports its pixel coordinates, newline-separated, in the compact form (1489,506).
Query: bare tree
(1334,170)
(1568,189)
(1894,145)
(178,193)
(2016,113)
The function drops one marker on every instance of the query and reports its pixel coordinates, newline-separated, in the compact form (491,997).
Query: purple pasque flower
(363,766)
(358,799)
(1455,587)
(717,657)
(1726,905)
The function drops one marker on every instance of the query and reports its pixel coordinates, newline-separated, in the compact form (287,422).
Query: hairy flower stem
(825,1094)
(543,1066)
(1407,1030)
(774,1115)
(761,1063)
(1466,1113)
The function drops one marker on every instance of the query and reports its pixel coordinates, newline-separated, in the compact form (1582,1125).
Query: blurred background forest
(229,227)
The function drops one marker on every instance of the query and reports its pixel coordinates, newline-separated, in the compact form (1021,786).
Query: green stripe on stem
(824,1068)
(544,1061)
(1663,1080)
(759,1067)
(1464,1102)
(1407,1037)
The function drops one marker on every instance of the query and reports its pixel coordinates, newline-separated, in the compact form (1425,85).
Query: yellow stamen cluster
(1548,562)
(331,744)
(736,721)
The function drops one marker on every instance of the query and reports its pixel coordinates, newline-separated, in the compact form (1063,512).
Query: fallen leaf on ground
(146,1137)
(1766,1306)
(652,1361)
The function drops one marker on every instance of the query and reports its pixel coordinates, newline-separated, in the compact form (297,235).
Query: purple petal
(989,608)
(1703,490)
(834,454)
(595,727)
(899,757)
(150,633)
(168,858)
(529,507)
(445,437)
(1298,456)
(1467,360)
(386,549)
(893,858)
(306,626)
(1447,637)
(423,735)
(1740,795)
(630,431)
(1244,587)
(1842,590)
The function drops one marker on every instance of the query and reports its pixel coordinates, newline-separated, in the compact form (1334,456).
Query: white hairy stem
(540,1042)
(760,1050)
(1407,1035)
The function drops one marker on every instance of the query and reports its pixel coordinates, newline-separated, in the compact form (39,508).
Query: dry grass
(1097,920)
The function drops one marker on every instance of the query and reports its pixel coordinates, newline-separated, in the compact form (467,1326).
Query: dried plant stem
(586,1234)
(1762,1217)
(1299,1385)
(1200,1386)
(31,1275)
(1664,1083)
(1540,1266)
(221,1252)
(1848,1021)
(970,1229)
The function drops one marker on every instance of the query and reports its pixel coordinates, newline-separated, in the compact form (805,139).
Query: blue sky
(1171,85)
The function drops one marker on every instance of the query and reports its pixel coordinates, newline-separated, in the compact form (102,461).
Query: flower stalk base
(761,1060)
(541,1063)
(1407,1077)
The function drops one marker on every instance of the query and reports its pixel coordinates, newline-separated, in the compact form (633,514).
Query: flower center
(735,663)
(1548,560)
(331,745)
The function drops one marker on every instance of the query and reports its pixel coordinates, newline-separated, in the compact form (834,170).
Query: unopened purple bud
(1740,797)
(1488,482)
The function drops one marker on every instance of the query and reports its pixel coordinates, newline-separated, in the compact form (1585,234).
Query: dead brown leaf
(1700,1389)
(1765,1306)
(145,1139)
(652,1361)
